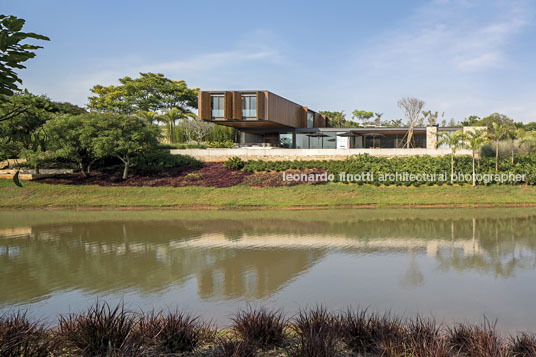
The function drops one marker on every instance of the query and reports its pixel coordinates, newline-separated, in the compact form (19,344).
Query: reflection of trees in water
(116,256)
(148,256)
(504,246)
(413,276)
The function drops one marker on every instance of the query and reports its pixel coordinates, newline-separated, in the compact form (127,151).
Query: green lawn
(331,195)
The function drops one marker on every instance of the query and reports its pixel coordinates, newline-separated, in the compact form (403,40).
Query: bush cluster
(113,331)
(234,163)
(523,165)
(157,161)
(227,144)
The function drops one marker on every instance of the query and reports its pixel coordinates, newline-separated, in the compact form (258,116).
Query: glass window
(285,140)
(249,106)
(217,106)
(310,119)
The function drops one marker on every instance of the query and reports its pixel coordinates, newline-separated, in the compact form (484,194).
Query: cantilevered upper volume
(256,109)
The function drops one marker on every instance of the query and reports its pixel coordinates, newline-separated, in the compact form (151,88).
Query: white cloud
(454,54)
(452,35)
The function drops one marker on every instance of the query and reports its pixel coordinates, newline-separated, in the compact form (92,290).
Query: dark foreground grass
(36,195)
(114,331)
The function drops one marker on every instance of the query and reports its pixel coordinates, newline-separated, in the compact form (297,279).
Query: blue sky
(461,57)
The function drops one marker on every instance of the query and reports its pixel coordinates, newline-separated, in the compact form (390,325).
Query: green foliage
(123,137)
(21,129)
(337,119)
(13,52)
(487,150)
(363,116)
(156,161)
(221,133)
(151,92)
(188,146)
(499,119)
(221,144)
(234,163)
(71,138)
(358,164)
(23,116)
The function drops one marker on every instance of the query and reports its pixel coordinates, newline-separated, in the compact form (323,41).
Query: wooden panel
(237,105)
(228,105)
(260,105)
(319,121)
(283,111)
(249,124)
(204,110)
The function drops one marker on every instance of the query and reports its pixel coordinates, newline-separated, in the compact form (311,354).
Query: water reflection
(255,258)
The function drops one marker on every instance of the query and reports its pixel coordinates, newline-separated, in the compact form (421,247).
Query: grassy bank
(38,195)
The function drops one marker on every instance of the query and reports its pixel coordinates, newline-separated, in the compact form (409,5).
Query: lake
(457,265)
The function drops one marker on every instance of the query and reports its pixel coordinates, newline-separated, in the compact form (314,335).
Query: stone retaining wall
(31,175)
(275,154)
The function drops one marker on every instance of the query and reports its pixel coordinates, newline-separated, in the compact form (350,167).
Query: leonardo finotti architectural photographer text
(403,177)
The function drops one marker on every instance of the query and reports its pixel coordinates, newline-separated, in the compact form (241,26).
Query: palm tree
(474,140)
(150,117)
(454,140)
(499,132)
(171,116)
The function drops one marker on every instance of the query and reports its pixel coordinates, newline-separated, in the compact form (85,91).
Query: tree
(429,117)
(196,130)
(21,135)
(363,116)
(412,108)
(122,137)
(13,53)
(151,92)
(474,139)
(170,117)
(378,119)
(453,140)
(471,120)
(498,132)
(338,119)
(497,118)
(70,138)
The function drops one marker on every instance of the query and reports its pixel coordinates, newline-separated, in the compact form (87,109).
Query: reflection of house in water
(230,259)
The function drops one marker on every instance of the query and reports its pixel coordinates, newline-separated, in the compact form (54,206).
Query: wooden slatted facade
(272,111)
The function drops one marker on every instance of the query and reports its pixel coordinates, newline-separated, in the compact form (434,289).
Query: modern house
(265,119)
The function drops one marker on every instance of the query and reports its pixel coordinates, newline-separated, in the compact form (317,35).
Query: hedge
(358,164)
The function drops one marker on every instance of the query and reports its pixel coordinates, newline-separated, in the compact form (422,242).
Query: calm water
(457,265)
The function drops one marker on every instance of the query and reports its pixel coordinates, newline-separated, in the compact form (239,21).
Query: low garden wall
(31,175)
(275,154)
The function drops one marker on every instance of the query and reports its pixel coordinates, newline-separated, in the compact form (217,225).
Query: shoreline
(266,208)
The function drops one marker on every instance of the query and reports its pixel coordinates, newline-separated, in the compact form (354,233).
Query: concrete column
(431,137)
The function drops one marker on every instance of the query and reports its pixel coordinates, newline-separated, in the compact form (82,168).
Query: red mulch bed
(212,174)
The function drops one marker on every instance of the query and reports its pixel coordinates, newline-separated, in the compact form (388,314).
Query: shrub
(523,345)
(20,337)
(379,167)
(262,327)
(424,339)
(186,146)
(317,331)
(221,144)
(228,347)
(234,163)
(372,333)
(174,332)
(101,331)
(476,341)
(155,162)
